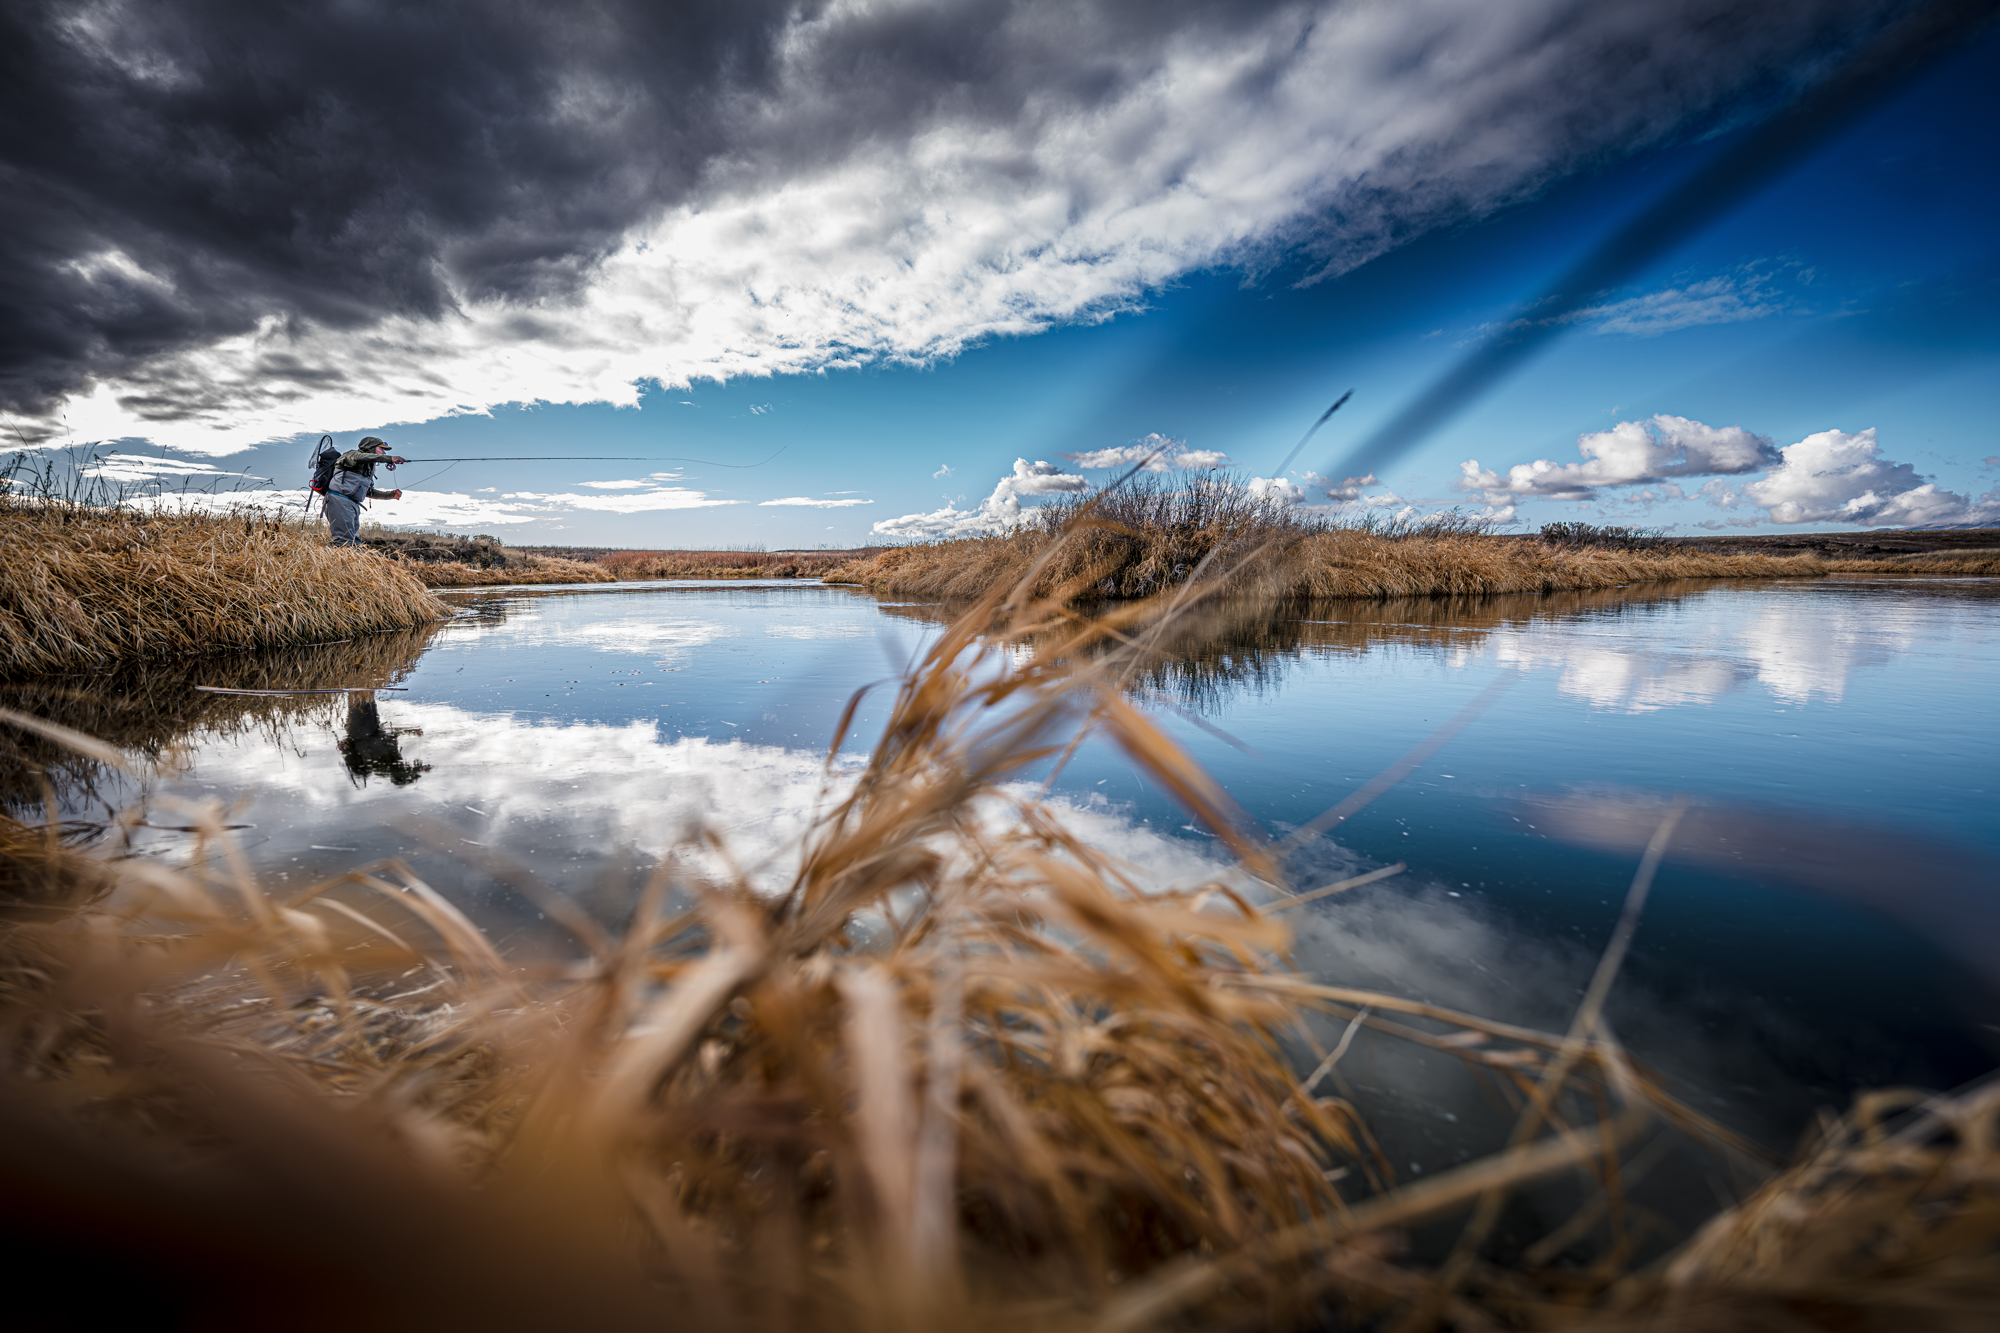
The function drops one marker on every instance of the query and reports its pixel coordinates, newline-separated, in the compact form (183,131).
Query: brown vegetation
(529,569)
(1147,538)
(442,560)
(727,564)
(89,585)
(965,1072)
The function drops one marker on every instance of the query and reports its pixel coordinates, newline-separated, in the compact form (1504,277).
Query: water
(1828,916)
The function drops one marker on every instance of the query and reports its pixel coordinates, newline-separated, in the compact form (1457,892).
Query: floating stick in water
(344,689)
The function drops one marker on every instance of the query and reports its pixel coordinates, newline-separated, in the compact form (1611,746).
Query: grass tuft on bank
(1150,536)
(86,586)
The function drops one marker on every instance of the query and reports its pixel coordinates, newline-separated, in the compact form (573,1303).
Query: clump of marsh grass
(1150,536)
(964,1070)
(90,584)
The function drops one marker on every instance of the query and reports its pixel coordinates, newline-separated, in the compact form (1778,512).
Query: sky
(844,273)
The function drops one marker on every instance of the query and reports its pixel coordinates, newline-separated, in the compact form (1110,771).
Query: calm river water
(1828,916)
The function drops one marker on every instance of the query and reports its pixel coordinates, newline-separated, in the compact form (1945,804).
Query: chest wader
(344,495)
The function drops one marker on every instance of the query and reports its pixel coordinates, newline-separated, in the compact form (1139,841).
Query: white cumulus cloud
(1631,453)
(1159,453)
(996,513)
(1836,477)
(1350,491)
(1277,490)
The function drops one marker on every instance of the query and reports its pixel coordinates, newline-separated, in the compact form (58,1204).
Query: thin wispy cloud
(1725,299)
(668,498)
(807,502)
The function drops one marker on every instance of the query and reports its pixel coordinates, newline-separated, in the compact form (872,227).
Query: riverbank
(1263,555)
(87,586)
(968,1071)
(728,564)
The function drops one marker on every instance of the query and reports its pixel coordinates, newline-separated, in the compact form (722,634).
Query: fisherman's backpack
(323,468)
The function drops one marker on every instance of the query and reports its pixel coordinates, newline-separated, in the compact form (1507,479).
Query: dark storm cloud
(333,162)
(181,171)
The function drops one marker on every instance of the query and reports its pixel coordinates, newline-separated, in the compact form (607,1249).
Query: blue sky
(1854,293)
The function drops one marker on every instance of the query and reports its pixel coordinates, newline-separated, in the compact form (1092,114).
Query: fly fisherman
(354,481)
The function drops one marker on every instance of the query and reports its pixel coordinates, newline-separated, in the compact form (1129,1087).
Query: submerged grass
(1150,536)
(965,1071)
(90,585)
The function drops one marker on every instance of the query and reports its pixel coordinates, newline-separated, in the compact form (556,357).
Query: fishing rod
(588,458)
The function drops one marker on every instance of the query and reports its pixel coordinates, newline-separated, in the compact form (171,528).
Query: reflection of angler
(371,749)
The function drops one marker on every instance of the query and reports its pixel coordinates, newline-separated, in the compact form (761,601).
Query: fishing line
(433,476)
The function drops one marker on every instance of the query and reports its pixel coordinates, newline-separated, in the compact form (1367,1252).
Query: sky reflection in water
(1821,927)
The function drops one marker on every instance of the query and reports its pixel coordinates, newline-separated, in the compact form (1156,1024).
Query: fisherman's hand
(396,494)
(394,461)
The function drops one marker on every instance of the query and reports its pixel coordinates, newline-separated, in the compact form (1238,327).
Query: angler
(346,480)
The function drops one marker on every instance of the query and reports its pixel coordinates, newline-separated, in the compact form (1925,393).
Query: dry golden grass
(723,564)
(86,586)
(1139,541)
(532,569)
(966,1071)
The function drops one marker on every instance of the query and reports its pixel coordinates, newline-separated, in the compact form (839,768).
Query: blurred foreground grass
(965,1071)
